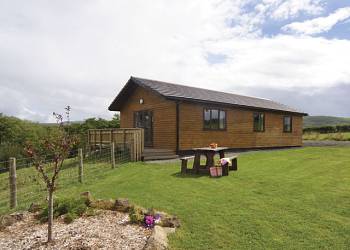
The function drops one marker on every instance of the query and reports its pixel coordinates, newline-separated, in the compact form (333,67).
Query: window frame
(259,113)
(291,124)
(210,119)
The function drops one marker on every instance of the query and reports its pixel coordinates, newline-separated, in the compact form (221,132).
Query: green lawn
(287,199)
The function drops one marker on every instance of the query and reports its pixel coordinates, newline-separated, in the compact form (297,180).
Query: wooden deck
(131,138)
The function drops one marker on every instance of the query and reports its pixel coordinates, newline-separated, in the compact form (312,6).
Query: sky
(81,53)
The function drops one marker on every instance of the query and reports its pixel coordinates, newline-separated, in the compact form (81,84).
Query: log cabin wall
(164,116)
(239,131)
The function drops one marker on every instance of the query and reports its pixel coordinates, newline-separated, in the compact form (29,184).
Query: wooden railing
(121,136)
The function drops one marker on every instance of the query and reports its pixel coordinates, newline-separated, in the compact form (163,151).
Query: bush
(322,130)
(338,137)
(69,218)
(70,208)
(328,129)
(343,128)
(136,215)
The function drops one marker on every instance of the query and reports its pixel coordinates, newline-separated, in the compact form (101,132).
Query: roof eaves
(234,105)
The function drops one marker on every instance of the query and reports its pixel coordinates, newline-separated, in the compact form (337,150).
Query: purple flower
(149,221)
(157,219)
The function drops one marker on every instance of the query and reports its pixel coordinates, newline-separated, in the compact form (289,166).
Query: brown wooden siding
(239,132)
(164,116)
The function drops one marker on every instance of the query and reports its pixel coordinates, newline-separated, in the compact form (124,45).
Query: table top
(211,149)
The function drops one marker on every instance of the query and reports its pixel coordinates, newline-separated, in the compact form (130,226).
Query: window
(287,124)
(222,120)
(259,122)
(214,119)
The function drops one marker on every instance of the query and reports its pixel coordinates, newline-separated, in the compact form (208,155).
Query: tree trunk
(50,216)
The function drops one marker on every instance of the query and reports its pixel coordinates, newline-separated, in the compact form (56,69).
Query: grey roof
(182,92)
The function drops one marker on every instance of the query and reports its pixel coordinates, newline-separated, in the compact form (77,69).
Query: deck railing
(131,139)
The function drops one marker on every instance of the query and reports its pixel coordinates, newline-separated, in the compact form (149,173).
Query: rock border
(157,241)
(159,237)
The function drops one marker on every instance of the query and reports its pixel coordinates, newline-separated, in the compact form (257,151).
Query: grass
(287,199)
(330,136)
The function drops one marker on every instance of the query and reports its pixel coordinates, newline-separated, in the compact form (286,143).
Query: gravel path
(107,230)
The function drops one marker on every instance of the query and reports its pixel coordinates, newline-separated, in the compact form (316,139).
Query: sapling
(57,147)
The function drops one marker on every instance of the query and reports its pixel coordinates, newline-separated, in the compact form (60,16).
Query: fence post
(81,164)
(13,183)
(113,154)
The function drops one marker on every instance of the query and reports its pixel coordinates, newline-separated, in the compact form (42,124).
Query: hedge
(328,129)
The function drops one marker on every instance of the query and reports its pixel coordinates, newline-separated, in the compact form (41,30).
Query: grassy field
(329,136)
(287,199)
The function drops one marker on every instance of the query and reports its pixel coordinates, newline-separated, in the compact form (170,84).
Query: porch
(131,139)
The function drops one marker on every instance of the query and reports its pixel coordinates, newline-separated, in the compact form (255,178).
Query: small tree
(57,148)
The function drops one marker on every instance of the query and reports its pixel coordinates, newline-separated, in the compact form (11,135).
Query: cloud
(81,53)
(249,16)
(318,25)
(292,8)
(327,101)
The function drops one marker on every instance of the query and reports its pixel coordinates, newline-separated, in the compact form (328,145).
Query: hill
(319,121)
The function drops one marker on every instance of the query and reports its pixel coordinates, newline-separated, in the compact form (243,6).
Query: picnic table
(209,153)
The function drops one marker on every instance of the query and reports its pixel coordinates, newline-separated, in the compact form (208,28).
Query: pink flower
(223,161)
(149,221)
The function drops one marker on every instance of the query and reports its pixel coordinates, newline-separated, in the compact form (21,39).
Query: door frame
(150,113)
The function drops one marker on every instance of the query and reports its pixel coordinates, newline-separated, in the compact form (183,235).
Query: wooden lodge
(178,118)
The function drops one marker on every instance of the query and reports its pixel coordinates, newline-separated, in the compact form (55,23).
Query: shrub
(70,208)
(91,212)
(136,215)
(338,137)
(69,218)
(328,129)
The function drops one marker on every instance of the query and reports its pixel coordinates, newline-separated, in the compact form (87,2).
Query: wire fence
(80,168)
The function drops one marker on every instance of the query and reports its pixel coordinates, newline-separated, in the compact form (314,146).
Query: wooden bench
(226,168)
(234,165)
(184,161)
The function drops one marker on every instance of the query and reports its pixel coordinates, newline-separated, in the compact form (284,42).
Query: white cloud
(319,24)
(249,20)
(292,8)
(81,53)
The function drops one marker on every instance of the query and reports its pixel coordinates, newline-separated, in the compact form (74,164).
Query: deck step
(158,154)
(159,157)
(157,150)
(151,154)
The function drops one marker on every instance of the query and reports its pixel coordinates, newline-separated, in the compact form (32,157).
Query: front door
(144,119)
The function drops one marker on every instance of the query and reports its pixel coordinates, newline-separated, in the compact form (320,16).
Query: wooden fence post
(81,165)
(13,183)
(113,154)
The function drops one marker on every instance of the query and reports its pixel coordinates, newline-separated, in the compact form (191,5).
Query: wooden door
(144,119)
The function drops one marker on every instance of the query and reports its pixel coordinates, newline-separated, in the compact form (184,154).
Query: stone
(102,204)
(10,219)
(159,238)
(122,205)
(17,216)
(88,197)
(168,220)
